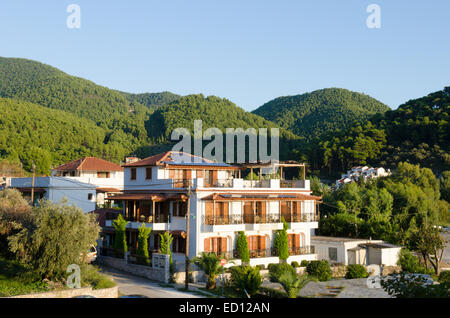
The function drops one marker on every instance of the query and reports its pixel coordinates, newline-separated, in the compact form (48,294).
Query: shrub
(142,251)
(90,276)
(444,277)
(281,242)
(210,264)
(405,285)
(295,264)
(356,271)
(410,263)
(292,283)
(242,248)
(276,270)
(246,278)
(60,235)
(304,263)
(319,269)
(120,240)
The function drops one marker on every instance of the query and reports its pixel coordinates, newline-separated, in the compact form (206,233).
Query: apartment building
(222,203)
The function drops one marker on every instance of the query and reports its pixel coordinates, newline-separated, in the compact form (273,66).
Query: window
(332,253)
(103,174)
(90,196)
(133,174)
(148,173)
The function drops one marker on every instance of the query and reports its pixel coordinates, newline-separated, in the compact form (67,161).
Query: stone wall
(112,292)
(153,273)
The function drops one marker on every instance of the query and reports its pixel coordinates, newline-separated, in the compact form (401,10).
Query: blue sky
(248,51)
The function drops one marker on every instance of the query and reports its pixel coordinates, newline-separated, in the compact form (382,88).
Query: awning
(148,197)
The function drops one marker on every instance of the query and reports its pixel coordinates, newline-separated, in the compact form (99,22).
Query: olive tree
(57,236)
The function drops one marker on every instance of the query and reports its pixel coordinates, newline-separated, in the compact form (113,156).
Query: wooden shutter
(297,240)
(209,213)
(285,211)
(214,177)
(291,240)
(248,212)
(262,242)
(223,244)
(207,243)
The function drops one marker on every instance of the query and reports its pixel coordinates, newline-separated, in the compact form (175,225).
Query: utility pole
(32,184)
(188,214)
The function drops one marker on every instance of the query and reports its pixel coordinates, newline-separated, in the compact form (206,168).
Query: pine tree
(120,241)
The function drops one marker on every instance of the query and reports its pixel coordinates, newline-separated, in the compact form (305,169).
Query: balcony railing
(304,217)
(296,250)
(223,220)
(256,219)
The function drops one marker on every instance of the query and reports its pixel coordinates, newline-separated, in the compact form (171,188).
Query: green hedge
(319,269)
(356,271)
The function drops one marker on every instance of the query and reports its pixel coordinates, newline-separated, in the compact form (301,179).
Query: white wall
(58,188)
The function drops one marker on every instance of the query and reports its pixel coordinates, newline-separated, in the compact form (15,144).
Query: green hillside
(214,112)
(152,100)
(417,132)
(30,132)
(312,114)
(49,87)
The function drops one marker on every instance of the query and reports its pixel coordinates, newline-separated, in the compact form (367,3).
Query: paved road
(133,285)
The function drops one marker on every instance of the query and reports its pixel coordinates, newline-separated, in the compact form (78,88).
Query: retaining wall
(157,274)
(112,292)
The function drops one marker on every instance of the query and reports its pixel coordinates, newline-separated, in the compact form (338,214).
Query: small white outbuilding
(348,251)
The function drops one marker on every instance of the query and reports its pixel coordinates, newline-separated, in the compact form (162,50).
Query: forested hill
(49,87)
(152,100)
(313,114)
(417,132)
(214,112)
(30,132)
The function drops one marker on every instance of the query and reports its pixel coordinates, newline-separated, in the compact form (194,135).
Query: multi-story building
(361,173)
(106,176)
(222,204)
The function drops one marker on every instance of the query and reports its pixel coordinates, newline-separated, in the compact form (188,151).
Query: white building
(355,251)
(106,176)
(221,205)
(56,188)
(361,173)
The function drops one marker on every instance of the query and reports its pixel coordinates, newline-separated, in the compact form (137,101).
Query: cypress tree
(242,247)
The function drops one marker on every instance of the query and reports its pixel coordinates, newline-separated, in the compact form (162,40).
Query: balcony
(304,217)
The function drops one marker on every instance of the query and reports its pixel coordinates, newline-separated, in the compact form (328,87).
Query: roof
(89,164)
(336,239)
(251,197)
(108,190)
(177,158)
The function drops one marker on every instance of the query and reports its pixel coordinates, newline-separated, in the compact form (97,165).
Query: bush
(295,264)
(276,270)
(90,276)
(319,269)
(304,263)
(444,277)
(407,285)
(410,263)
(246,278)
(242,248)
(356,271)
(60,235)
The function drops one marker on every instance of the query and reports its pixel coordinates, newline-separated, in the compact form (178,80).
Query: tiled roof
(175,158)
(89,164)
